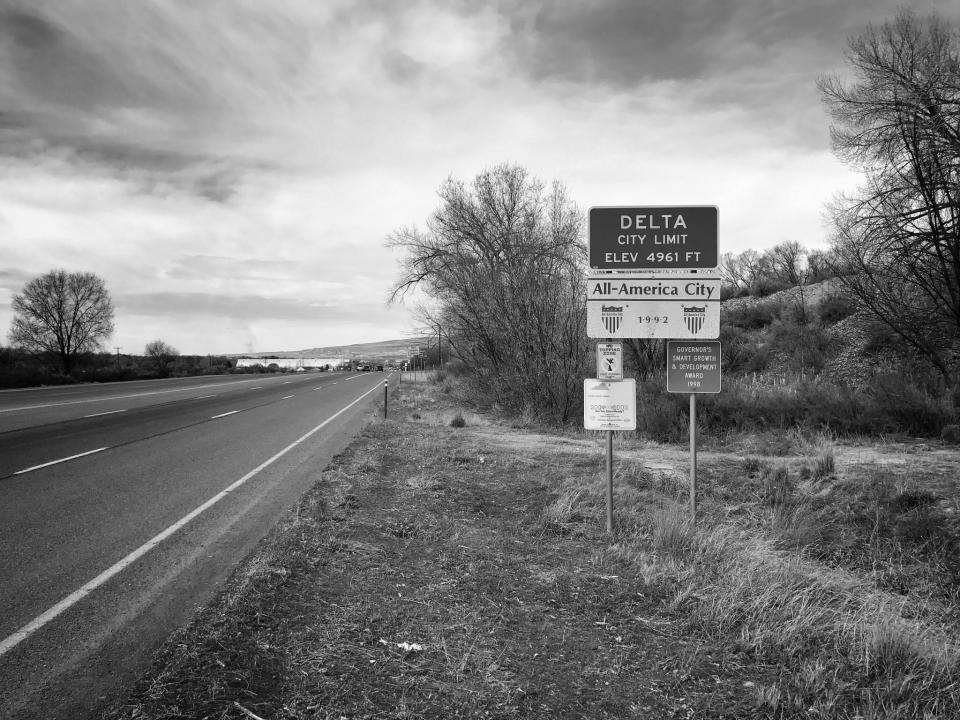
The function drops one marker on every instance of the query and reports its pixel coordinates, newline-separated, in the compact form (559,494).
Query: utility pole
(117,347)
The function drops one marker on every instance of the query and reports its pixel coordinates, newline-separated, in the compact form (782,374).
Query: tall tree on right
(897,242)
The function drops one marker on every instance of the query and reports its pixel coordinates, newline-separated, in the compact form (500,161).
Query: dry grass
(439,572)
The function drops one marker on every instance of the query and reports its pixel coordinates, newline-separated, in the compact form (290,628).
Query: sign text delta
(642,306)
(653,238)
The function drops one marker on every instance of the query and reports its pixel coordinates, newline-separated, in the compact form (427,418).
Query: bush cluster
(886,405)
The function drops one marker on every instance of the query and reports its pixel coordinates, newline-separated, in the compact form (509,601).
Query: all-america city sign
(646,306)
(653,238)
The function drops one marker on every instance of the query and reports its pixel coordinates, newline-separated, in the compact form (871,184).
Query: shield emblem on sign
(612,316)
(694,317)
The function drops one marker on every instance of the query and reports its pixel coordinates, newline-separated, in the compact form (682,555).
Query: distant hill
(382,349)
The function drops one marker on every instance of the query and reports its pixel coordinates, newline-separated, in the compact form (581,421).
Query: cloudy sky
(231,168)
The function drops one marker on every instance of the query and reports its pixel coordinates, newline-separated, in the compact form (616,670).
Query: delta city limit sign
(653,238)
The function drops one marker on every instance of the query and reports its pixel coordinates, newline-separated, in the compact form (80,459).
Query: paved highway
(123,505)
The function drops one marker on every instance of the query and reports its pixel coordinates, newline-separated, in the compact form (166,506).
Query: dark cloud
(625,43)
(618,43)
(152,170)
(76,85)
(52,67)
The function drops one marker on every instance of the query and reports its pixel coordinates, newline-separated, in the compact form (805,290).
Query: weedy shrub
(951,434)
(662,416)
(924,526)
(799,403)
(739,348)
(834,307)
(750,316)
(458,421)
(908,408)
(824,465)
(911,498)
(565,508)
(777,487)
(752,465)
(797,524)
(844,647)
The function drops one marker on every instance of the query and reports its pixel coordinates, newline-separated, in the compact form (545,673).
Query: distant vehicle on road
(379,368)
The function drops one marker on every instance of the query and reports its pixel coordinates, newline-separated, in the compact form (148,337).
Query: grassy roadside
(439,572)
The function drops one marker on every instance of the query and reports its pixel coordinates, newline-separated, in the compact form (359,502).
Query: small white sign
(610,361)
(610,404)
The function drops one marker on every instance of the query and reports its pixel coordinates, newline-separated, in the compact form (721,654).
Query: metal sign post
(656,279)
(609,481)
(693,458)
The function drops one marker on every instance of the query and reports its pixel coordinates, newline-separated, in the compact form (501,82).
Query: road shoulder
(428,575)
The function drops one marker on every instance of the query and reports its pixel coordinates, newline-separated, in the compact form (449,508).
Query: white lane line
(287,382)
(201,397)
(257,387)
(55,462)
(286,397)
(8,643)
(317,388)
(108,412)
(214,417)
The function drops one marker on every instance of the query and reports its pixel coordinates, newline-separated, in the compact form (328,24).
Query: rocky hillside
(813,328)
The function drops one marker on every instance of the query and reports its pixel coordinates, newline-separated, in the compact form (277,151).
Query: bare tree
(788,262)
(732,275)
(63,314)
(162,356)
(898,241)
(820,265)
(503,262)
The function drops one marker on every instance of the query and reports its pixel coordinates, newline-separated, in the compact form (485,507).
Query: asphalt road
(124,505)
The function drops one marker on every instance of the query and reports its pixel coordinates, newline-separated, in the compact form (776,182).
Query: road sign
(693,366)
(668,237)
(643,306)
(610,404)
(610,361)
